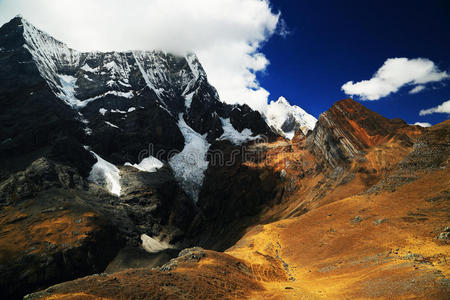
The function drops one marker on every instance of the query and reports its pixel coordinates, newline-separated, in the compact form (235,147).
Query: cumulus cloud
(394,74)
(226,35)
(423,124)
(441,108)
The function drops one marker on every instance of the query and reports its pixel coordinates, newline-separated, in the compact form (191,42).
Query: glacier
(190,164)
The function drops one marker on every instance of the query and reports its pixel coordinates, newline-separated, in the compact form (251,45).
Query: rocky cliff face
(346,130)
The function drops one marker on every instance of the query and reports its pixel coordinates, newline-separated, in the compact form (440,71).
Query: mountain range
(127,167)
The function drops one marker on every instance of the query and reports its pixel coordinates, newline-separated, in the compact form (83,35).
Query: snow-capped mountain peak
(79,78)
(286,118)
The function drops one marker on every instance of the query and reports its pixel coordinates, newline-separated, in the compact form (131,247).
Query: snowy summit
(286,118)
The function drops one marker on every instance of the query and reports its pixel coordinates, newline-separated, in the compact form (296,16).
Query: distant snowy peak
(286,118)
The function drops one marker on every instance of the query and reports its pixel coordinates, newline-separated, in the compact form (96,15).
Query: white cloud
(226,35)
(423,124)
(441,108)
(417,89)
(394,74)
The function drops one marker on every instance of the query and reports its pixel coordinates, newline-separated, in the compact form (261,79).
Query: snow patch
(234,136)
(105,174)
(190,164)
(111,83)
(131,109)
(152,245)
(124,84)
(102,111)
(88,131)
(149,164)
(289,134)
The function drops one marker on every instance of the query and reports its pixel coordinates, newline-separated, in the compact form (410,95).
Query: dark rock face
(233,194)
(253,120)
(155,204)
(290,124)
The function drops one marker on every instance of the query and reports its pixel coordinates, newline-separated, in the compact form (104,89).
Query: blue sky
(333,42)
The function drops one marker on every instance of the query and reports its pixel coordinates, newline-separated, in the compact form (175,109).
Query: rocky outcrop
(49,232)
(430,153)
(346,130)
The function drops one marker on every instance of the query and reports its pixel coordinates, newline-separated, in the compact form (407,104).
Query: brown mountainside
(357,209)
